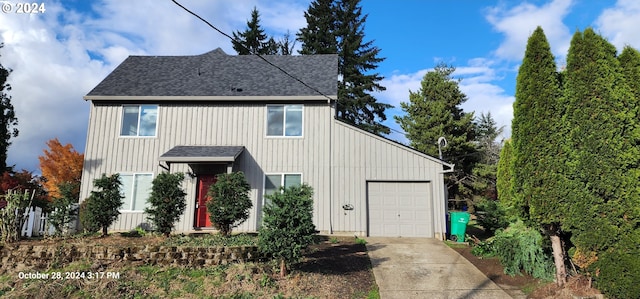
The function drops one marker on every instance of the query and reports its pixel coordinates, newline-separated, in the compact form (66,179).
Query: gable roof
(218,74)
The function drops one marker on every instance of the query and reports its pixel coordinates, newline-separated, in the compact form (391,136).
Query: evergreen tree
(538,186)
(603,154)
(319,37)
(167,201)
(356,61)
(253,40)
(503,181)
(288,225)
(8,120)
(103,205)
(338,27)
(433,112)
(230,202)
(484,172)
(630,63)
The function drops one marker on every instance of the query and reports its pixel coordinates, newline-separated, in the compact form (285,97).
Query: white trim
(134,174)
(282,174)
(209,98)
(284,121)
(155,131)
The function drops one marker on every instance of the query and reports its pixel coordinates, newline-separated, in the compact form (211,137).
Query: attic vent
(236,89)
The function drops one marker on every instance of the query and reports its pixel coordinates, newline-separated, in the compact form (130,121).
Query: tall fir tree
(434,111)
(538,186)
(8,119)
(603,156)
(338,27)
(254,40)
(319,36)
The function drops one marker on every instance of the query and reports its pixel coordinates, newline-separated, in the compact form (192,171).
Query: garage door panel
(400,209)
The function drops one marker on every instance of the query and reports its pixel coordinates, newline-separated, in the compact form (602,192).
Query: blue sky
(58,56)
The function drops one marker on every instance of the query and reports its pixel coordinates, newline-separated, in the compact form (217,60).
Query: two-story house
(212,113)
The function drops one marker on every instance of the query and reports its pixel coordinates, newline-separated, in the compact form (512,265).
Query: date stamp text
(69,275)
(23,7)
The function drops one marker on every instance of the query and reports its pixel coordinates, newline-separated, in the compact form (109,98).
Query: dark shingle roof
(218,74)
(195,153)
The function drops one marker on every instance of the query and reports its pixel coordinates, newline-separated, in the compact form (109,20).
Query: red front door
(202,217)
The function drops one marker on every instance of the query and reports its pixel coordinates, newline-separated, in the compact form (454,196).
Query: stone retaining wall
(44,257)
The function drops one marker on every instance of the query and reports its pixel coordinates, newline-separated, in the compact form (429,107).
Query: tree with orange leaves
(60,164)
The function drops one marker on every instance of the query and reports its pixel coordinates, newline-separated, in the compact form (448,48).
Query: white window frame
(126,206)
(282,175)
(284,121)
(155,130)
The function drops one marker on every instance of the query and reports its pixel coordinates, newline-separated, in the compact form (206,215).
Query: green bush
(11,220)
(167,201)
(102,206)
(230,203)
(64,209)
(521,248)
(88,226)
(491,215)
(288,225)
(617,272)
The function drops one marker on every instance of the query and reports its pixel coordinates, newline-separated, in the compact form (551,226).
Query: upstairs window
(139,120)
(284,120)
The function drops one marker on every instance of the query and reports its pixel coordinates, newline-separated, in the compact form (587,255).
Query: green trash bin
(459,222)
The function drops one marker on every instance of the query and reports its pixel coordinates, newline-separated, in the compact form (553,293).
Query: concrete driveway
(426,268)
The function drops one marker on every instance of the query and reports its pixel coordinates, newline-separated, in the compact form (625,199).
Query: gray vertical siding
(211,124)
(330,155)
(360,157)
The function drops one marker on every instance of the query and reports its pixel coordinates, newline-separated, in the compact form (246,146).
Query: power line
(259,56)
(269,62)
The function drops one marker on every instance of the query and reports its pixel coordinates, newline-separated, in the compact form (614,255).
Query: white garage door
(400,209)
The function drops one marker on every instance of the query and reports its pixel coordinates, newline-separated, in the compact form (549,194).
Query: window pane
(129,121)
(141,192)
(292,180)
(294,120)
(272,183)
(275,119)
(148,117)
(126,190)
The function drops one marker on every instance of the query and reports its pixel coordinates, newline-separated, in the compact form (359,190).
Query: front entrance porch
(205,162)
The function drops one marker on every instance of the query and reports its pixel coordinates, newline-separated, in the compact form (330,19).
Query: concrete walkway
(426,268)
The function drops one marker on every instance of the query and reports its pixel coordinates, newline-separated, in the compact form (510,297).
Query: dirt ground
(577,286)
(337,268)
(342,267)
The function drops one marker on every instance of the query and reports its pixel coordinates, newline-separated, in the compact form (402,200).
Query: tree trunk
(104,231)
(283,268)
(558,258)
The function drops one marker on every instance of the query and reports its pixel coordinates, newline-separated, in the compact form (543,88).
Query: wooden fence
(36,223)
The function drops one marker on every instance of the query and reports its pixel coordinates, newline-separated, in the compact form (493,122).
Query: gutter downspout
(331,120)
(446,195)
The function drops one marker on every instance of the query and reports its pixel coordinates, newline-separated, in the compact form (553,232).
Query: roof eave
(208,98)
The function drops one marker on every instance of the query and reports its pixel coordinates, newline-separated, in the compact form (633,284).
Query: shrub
(230,203)
(618,272)
(64,209)
(491,215)
(167,201)
(102,205)
(288,225)
(88,226)
(521,248)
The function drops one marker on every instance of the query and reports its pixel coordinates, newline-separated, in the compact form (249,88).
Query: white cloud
(620,24)
(517,23)
(479,82)
(59,56)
